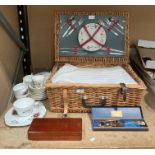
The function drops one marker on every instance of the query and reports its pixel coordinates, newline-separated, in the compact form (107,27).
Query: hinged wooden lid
(108,32)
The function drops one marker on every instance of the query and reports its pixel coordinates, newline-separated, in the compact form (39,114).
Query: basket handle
(103,101)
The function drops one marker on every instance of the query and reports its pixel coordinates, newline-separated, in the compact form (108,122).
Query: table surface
(11,137)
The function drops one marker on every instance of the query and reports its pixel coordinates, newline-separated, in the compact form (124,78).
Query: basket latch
(123,91)
(103,101)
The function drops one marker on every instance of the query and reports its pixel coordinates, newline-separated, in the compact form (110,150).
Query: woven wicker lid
(67,48)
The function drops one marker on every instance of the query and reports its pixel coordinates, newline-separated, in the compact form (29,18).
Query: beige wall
(9,53)
(142,25)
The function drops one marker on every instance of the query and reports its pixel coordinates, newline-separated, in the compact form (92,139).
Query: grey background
(112,41)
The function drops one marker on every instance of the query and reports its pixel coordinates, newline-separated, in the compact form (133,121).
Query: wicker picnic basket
(71,97)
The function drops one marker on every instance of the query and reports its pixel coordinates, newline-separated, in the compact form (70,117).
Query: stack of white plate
(36,85)
(46,74)
(37,94)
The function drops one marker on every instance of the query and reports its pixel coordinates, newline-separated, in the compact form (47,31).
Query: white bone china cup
(27,79)
(24,106)
(20,90)
(38,80)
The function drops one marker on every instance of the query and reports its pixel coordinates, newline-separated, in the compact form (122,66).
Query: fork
(73,22)
(70,19)
(109,23)
(79,23)
(112,19)
(103,24)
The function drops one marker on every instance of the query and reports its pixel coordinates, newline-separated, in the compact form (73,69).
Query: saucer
(12,119)
(39,98)
(46,74)
(37,94)
(31,87)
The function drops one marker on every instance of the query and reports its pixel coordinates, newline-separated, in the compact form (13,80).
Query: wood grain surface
(55,129)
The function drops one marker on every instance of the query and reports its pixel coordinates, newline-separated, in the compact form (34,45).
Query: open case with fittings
(95,40)
(118,119)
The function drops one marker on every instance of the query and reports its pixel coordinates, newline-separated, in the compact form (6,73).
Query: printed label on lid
(116,113)
(91,17)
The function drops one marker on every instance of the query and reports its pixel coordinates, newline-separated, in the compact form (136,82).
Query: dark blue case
(128,120)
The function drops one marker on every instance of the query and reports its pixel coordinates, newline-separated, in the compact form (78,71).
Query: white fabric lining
(107,75)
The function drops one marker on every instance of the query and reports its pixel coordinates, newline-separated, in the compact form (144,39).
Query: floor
(17,137)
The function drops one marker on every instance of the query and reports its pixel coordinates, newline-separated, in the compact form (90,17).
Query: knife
(112,19)
(110,23)
(73,22)
(79,23)
(70,19)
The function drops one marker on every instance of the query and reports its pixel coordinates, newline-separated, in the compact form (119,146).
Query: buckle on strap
(123,91)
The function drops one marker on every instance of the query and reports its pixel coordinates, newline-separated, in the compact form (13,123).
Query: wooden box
(55,129)
(115,51)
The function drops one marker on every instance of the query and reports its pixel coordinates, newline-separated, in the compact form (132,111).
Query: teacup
(24,106)
(38,81)
(20,90)
(27,79)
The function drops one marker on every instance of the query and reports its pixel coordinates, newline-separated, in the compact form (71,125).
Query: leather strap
(71,25)
(123,91)
(91,37)
(75,50)
(114,24)
(65,99)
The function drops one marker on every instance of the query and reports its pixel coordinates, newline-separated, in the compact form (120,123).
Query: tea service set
(28,105)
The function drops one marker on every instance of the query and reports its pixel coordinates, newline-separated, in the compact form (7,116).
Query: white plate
(46,74)
(36,89)
(99,37)
(37,92)
(39,111)
(39,99)
(39,96)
